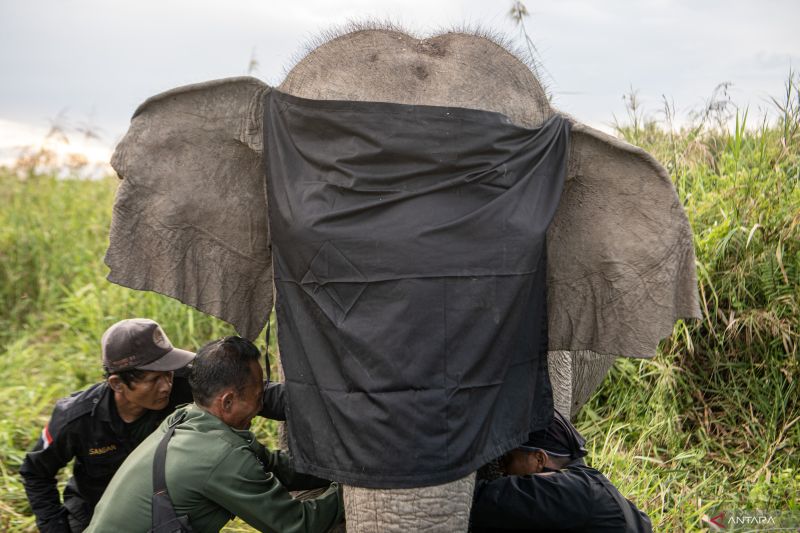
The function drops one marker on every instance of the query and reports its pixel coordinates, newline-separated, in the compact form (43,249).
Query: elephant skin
(189,219)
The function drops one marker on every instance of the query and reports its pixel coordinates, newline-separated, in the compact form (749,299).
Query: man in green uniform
(215,468)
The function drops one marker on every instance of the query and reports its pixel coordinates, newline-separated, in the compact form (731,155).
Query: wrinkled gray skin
(620,257)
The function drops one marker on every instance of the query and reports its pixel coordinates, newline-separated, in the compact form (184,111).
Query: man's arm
(240,485)
(280,464)
(274,401)
(51,453)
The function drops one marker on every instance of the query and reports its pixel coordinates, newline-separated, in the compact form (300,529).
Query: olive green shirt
(213,473)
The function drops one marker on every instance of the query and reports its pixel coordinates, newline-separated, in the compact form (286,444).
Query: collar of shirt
(105,410)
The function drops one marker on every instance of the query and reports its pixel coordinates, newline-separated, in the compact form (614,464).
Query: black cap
(140,343)
(559,439)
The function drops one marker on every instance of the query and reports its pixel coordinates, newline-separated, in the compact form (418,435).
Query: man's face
(523,463)
(151,391)
(247,403)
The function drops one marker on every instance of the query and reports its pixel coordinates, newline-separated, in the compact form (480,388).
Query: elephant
(192,220)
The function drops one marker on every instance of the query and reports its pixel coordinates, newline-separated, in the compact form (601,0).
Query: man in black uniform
(101,425)
(548,487)
(146,378)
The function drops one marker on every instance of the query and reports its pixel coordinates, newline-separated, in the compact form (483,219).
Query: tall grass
(54,305)
(712,422)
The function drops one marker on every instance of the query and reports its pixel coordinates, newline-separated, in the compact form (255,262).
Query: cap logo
(125,362)
(160,340)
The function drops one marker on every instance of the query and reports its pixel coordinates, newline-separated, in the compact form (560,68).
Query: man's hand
(274,401)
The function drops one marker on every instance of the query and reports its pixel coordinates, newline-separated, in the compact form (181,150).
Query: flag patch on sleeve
(47,439)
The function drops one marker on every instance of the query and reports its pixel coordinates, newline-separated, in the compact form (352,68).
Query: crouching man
(548,487)
(214,467)
(101,425)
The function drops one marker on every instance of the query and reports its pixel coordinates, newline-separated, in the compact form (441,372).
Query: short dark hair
(128,377)
(221,364)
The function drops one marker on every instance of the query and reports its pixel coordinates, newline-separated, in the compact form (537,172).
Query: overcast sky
(91,62)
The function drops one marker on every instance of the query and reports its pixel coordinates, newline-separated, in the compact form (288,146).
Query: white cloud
(20,139)
(102,59)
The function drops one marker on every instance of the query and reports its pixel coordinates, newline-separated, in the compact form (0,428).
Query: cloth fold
(410,269)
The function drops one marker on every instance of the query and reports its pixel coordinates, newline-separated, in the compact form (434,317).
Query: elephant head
(191,217)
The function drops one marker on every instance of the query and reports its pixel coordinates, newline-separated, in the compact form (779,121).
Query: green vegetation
(54,305)
(712,422)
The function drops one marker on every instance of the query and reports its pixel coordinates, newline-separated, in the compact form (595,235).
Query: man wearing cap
(548,487)
(101,425)
(203,466)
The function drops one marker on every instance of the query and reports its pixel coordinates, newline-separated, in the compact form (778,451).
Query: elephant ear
(621,265)
(190,216)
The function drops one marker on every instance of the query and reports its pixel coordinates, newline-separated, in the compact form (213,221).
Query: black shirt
(575,499)
(87,427)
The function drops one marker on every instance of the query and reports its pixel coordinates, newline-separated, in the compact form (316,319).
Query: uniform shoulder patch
(71,408)
(47,439)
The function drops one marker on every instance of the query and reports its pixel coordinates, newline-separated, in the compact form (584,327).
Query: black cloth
(87,427)
(409,253)
(575,499)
